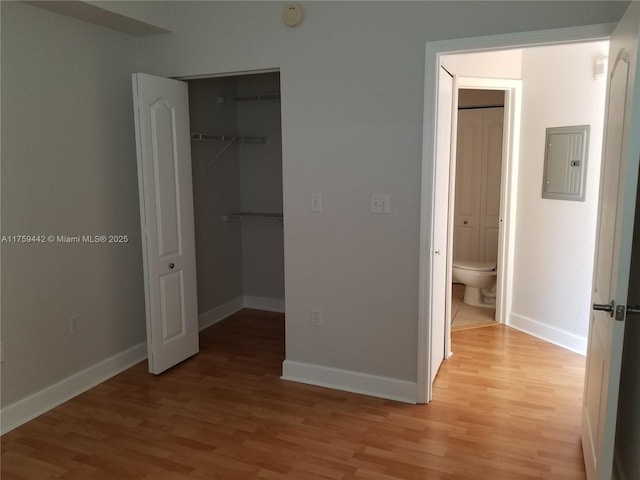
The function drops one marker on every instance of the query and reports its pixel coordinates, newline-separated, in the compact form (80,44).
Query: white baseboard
(268,304)
(220,312)
(22,411)
(349,381)
(227,309)
(549,333)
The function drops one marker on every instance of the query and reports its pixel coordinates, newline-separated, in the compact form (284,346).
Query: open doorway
(476,207)
(525,182)
(505,126)
(236,152)
(545,249)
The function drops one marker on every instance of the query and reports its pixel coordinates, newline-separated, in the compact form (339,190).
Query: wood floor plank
(506,406)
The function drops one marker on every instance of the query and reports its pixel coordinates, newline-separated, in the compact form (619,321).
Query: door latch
(605,307)
(617,311)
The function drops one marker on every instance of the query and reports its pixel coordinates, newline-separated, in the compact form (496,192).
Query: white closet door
(166,211)
(441,290)
(490,184)
(478,169)
(468,167)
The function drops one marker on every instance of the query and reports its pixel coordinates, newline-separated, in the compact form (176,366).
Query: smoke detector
(292,14)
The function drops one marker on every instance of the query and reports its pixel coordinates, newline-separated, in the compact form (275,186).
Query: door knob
(605,307)
(171,265)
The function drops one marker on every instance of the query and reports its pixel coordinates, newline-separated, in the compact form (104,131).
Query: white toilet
(479,279)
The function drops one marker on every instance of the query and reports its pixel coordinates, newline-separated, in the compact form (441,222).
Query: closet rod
(249,98)
(242,216)
(224,138)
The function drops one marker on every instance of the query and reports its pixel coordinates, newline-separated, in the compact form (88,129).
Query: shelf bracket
(230,141)
(220,153)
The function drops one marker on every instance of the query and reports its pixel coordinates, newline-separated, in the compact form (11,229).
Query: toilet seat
(475,266)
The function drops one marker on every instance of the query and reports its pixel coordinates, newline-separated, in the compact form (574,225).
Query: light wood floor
(505,407)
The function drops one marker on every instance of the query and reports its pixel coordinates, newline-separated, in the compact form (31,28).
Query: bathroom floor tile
(464,323)
(466,316)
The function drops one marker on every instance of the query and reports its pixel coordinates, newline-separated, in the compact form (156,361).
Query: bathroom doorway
(476,192)
(497,230)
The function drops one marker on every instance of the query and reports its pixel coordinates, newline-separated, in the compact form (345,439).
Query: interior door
(441,290)
(613,249)
(468,173)
(161,109)
(489,219)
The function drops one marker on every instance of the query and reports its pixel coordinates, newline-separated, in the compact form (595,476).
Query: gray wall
(628,424)
(352,76)
(68,168)
(352,79)
(261,178)
(215,192)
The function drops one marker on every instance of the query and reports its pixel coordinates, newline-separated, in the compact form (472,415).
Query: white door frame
(433,52)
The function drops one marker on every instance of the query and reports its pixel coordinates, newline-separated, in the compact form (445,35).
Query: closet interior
(236,152)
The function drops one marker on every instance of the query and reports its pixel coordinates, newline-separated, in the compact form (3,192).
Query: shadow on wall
(628,424)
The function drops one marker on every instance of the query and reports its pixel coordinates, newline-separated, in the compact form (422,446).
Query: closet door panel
(468,167)
(489,245)
(161,109)
(465,245)
(489,197)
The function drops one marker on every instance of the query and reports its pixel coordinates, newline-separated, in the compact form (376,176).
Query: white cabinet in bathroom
(477,190)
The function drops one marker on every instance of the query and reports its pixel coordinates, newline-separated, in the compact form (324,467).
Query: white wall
(352,89)
(499,64)
(555,239)
(68,168)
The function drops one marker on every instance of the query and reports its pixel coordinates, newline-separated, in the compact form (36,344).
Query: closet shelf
(225,138)
(261,216)
(249,98)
